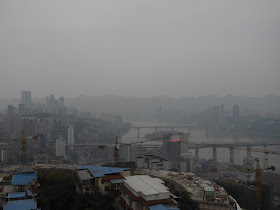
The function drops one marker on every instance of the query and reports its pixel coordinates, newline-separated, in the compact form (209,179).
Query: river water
(200,135)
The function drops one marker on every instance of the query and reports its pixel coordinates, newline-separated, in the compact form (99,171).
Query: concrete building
(107,179)
(128,152)
(21,204)
(60,147)
(21,109)
(141,191)
(61,105)
(175,149)
(245,176)
(153,162)
(207,194)
(26,98)
(29,125)
(235,113)
(163,207)
(25,181)
(71,134)
(11,110)
(42,158)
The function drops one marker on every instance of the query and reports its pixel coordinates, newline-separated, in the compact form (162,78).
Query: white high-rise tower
(60,147)
(71,134)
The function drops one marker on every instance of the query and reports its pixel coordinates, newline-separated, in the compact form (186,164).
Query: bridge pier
(155,129)
(189,132)
(197,152)
(231,155)
(215,154)
(249,150)
(138,133)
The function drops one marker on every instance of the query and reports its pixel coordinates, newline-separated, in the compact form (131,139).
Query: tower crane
(23,145)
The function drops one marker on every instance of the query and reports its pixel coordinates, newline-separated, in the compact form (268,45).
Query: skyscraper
(175,149)
(11,110)
(61,105)
(71,134)
(26,98)
(21,108)
(235,113)
(60,147)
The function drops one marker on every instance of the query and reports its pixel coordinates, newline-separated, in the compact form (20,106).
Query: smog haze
(139,48)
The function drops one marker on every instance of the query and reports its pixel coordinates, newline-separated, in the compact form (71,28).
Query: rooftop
(21,205)
(99,171)
(23,170)
(23,179)
(146,184)
(153,157)
(84,175)
(163,207)
(112,177)
(18,195)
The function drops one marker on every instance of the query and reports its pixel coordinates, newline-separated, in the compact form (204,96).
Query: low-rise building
(245,176)
(21,196)
(153,162)
(21,204)
(41,158)
(25,179)
(163,207)
(142,191)
(107,179)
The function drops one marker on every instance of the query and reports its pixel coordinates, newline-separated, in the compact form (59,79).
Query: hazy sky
(139,48)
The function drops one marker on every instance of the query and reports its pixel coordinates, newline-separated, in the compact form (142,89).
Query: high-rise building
(61,105)
(47,101)
(60,147)
(11,110)
(235,113)
(52,101)
(21,108)
(26,98)
(129,152)
(71,134)
(175,149)
(29,125)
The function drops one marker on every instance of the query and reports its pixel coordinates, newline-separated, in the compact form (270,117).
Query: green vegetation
(8,178)
(58,191)
(185,202)
(246,196)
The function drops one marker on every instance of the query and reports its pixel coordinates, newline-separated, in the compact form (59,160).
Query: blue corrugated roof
(18,195)
(99,171)
(23,179)
(21,205)
(162,207)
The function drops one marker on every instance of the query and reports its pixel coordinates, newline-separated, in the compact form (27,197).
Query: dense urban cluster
(55,157)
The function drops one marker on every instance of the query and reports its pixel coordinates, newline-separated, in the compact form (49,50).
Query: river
(200,135)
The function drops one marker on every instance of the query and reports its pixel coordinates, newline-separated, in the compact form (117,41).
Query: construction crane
(258,180)
(23,145)
(116,151)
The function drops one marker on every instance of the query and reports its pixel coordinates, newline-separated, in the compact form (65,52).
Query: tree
(186,203)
